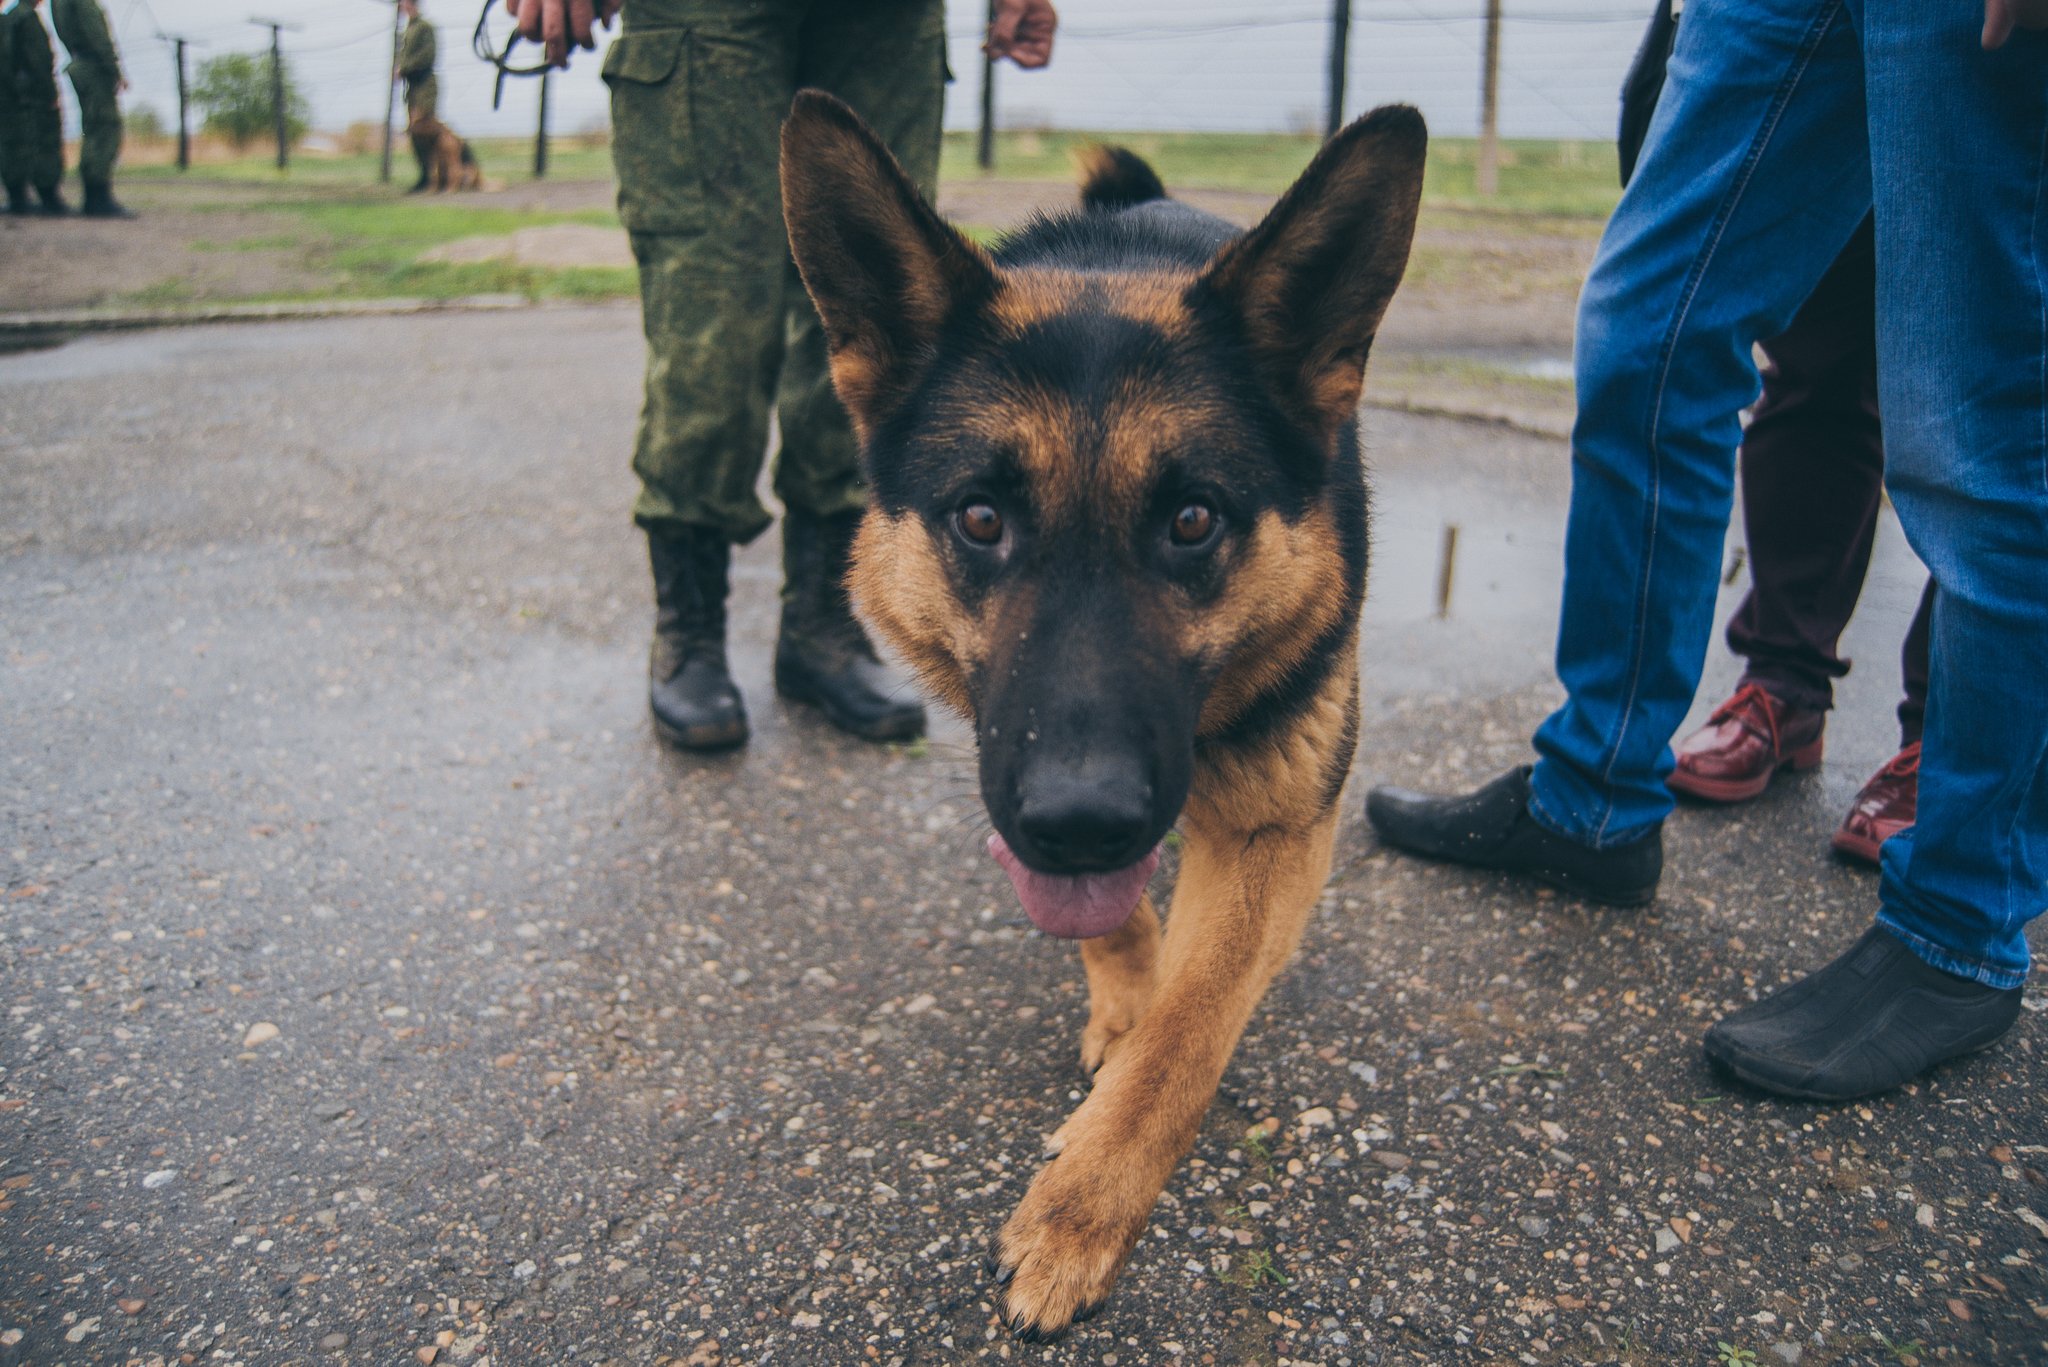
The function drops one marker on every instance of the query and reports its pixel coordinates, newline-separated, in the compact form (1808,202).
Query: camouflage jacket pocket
(653,135)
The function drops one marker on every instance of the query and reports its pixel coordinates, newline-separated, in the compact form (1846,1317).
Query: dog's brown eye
(980,522)
(1193,523)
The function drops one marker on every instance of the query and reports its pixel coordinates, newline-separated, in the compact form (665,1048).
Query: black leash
(481,44)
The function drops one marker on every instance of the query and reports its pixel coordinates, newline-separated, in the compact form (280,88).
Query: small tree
(234,94)
(143,124)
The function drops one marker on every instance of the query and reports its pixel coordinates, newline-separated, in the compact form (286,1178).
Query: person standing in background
(35,129)
(415,66)
(699,91)
(95,72)
(13,169)
(1812,467)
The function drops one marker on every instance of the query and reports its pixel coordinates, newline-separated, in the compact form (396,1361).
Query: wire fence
(1119,65)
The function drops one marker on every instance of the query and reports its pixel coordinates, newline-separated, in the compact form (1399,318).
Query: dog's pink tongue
(1075,906)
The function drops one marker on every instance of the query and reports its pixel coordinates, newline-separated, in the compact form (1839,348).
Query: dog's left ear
(1310,283)
(884,269)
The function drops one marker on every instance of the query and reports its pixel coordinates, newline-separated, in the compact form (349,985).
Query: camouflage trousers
(422,98)
(31,145)
(99,119)
(699,90)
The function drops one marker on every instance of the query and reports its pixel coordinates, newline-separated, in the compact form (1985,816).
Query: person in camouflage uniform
(415,65)
(699,90)
(33,130)
(95,71)
(13,180)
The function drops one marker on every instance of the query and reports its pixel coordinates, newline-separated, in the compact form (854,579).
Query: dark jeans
(1812,479)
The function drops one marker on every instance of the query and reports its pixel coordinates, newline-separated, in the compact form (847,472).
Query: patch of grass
(502,158)
(275,242)
(356,248)
(426,223)
(1561,179)
(1556,178)
(172,291)
(1259,1148)
(1257,1268)
(349,236)
(1728,1355)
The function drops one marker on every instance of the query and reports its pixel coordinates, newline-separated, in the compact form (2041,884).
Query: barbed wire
(1193,64)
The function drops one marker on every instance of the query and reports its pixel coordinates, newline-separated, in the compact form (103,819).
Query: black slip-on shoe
(1877,1017)
(1491,829)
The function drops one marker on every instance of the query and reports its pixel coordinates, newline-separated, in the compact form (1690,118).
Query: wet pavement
(376,989)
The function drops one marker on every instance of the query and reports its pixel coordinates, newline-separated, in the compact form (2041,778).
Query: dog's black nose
(1085,824)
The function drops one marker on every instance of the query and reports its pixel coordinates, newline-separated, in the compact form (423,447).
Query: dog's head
(1116,512)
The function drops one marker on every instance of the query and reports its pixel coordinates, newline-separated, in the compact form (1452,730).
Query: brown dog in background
(451,165)
(1117,522)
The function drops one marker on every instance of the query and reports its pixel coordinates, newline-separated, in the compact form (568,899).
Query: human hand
(556,24)
(2001,17)
(121,86)
(1022,31)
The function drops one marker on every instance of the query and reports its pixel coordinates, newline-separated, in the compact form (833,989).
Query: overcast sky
(1119,64)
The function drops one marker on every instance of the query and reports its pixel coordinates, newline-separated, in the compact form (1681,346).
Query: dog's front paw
(1061,1251)
(1102,1033)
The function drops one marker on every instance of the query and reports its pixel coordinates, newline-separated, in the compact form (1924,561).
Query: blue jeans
(1782,123)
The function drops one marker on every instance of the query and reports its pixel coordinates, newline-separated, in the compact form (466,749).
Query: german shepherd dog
(451,165)
(1118,522)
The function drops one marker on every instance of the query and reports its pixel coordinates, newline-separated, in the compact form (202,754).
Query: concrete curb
(66,322)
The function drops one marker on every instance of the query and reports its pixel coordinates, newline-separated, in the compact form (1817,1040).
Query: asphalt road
(376,989)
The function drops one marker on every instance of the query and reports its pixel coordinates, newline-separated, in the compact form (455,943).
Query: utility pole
(1340,48)
(184,121)
(540,136)
(985,154)
(390,92)
(277,87)
(1487,177)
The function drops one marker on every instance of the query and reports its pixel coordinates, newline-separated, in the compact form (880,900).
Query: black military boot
(689,689)
(18,202)
(423,152)
(100,202)
(822,657)
(52,197)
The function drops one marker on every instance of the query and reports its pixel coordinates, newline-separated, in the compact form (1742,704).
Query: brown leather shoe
(1744,744)
(1886,806)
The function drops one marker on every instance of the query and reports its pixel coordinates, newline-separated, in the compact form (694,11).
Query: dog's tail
(1117,178)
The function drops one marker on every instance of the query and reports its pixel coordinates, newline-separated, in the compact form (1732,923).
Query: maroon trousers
(1812,482)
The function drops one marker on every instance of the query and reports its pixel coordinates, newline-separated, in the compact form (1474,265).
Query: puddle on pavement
(1534,363)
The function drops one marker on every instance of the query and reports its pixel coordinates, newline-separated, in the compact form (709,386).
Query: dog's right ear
(884,270)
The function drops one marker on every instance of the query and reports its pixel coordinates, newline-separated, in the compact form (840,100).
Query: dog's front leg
(1121,968)
(1238,911)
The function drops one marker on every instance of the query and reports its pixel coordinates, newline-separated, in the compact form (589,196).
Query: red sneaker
(1886,806)
(1744,744)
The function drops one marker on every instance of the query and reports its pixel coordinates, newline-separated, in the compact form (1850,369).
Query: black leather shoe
(18,202)
(822,657)
(1492,829)
(689,689)
(1874,1019)
(52,197)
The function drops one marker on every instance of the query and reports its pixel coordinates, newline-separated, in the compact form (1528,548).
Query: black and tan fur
(451,164)
(1091,380)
